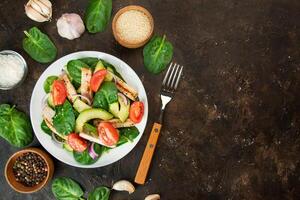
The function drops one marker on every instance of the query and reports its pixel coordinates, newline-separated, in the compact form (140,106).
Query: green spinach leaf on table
(48,83)
(66,189)
(45,128)
(64,119)
(100,193)
(127,134)
(15,126)
(74,69)
(97,15)
(39,46)
(157,54)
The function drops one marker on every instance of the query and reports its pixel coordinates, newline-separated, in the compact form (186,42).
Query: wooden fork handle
(148,154)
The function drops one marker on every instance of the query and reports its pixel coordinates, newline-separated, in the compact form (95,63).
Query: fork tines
(172,77)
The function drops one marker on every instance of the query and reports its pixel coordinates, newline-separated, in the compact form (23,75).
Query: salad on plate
(90,109)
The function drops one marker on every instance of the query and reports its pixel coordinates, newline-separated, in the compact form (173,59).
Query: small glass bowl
(10,52)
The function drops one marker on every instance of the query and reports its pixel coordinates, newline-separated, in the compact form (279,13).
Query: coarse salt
(133,26)
(11,70)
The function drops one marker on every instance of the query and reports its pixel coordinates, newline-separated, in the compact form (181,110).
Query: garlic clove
(70,26)
(34,15)
(124,185)
(152,197)
(42,8)
(47,3)
(39,10)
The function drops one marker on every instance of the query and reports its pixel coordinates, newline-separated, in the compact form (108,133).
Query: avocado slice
(100,66)
(50,101)
(80,105)
(67,147)
(109,76)
(124,109)
(114,108)
(87,115)
(90,129)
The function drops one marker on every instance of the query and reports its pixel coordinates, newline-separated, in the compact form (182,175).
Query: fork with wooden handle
(168,88)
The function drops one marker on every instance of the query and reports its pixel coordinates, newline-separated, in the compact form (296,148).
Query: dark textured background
(232,131)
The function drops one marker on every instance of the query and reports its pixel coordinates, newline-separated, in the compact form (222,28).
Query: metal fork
(168,88)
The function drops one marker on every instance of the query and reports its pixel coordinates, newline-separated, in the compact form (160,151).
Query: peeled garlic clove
(70,26)
(123,185)
(152,197)
(39,10)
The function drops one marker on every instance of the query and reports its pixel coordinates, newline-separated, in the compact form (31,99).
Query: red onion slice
(87,100)
(92,152)
(123,97)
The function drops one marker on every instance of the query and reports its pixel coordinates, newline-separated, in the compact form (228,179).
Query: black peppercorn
(30,169)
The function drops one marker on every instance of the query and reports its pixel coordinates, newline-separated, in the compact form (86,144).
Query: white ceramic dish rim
(36,109)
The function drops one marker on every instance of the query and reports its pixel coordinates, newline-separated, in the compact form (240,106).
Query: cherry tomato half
(59,92)
(97,79)
(108,134)
(76,142)
(136,111)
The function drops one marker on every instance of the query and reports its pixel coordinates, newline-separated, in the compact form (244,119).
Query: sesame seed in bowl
(132,26)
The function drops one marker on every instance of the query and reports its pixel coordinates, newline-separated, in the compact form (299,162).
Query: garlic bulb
(152,197)
(123,185)
(70,26)
(39,10)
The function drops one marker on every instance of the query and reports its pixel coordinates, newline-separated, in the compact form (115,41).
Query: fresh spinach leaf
(48,83)
(127,135)
(100,193)
(99,149)
(39,46)
(84,157)
(100,100)
(45,128)
(110,91)
(64,119)
(90,61)
(66,189)
(107,65)
(97,15)
(15,126)
(157,54)
(74,69)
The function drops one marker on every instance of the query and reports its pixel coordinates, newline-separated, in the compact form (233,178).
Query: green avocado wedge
(87,115)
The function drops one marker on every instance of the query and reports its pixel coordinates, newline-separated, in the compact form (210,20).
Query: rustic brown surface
(232,131)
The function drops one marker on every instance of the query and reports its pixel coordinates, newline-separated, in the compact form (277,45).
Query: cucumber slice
(80,105)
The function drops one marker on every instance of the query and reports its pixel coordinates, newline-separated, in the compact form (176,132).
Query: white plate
(36,109)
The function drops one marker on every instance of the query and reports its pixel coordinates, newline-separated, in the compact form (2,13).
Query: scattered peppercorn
(30,169)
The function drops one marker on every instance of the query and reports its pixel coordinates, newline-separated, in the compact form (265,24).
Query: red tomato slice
(59,92)
(136,111)
(76,142)
(108,134)
(97,79)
